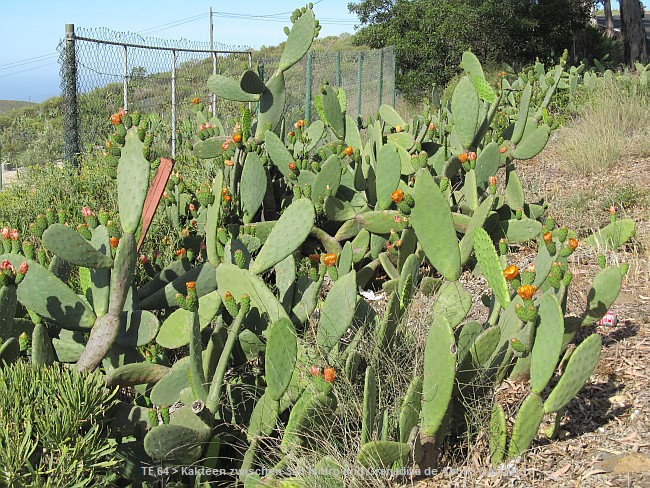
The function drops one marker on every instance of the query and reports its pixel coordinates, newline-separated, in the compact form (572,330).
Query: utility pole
(213,97)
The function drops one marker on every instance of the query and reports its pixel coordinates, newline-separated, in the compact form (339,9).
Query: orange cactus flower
(329,374)
(329,259)
(573,244)
(196,100)
(292,166)
(191,285)
(492,180)
(228,162)
(224,191)
(226,198)
(511,272)
(228,295)
(503,149)
(291,133)
(349,151)
(548,237)
(397,196)
(526,292)
(300,123)
(236,137)
(612,210)
(114,241)
(462,157)
(432,126)
(181,252)
(116,119)
(398,128)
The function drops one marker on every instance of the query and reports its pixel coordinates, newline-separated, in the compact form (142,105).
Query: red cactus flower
(14,234)
(5,232)
(23,267)
(292,166)
(315,371)
(471,155)
(86,212)
(503,149)
(6,266)
(144,259)
(192,207)
(432,126)
(492,180)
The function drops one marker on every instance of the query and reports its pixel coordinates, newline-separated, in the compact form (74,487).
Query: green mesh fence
(103,70)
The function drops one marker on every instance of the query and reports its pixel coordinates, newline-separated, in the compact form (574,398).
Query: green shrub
(52,428)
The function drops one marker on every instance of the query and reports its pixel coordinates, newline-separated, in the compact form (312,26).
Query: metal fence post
(260,73)
(308,87)
(338,69)
(71,118)
(173,104)
(126,77)
(359,74)
(381,76)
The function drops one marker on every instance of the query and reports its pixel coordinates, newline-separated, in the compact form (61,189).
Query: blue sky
(30,31)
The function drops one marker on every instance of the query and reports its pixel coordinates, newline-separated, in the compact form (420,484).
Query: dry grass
(614,125)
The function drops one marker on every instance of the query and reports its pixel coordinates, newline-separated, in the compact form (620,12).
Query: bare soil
(605,432)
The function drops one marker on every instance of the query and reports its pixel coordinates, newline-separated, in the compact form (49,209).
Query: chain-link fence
(103,70)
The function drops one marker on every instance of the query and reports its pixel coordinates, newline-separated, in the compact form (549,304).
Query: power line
(35,59)
(28,69)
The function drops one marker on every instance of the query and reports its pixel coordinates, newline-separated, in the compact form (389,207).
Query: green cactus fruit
(548,343)
(491,266)
(24,342)
(578,370)
(602,261)
(439,374)
(433,223)
(337,312)
(527,424)
(498,435)
(383,454)
(287,235)
(68,244)
(281,356)
(409,415)
(132,183)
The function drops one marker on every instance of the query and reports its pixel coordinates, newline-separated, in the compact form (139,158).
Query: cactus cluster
(287,214)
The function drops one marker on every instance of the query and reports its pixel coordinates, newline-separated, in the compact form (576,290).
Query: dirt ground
(605,433)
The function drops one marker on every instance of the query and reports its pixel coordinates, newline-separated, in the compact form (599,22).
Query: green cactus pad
(409,415)
(389,115)
(487,164)
(380,222)
(175,330)
(175,443)
(490,264)
(8,302)
(484,346)
(329,175)
(332,112)
(522,119)
(471,65)
(238,282)
(527,424)
(604,291)
(68,244)
(42,350)
(132,182)
(168,389)
(434,225)
(338,210)
(484,89)
(252,186)
(533,143)
(383,454)
(46,295)
(478,219)
(613,235)
(498,434)
(212,222)
(9,351)
(287,235)
(264,417)
(202,275)
(68,346)
(305,298)
(452,302)
(307,409)
(337,312)
(548,343)
(520,230)
(280,359)
(136,374)
(388,170)
(137,328)
(465,105)
(369,410)
(514,189)
(230,89)
(167,275)
(439,375)
(250,82)
(208,149)
(279,154)
(100,279)
(352,136)
(299,40)
(578,370)
(272,104)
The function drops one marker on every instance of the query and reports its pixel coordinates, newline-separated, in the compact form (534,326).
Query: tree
(633,32)
(430,35)
(609,19)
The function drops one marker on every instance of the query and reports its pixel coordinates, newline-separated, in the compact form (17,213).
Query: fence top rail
(159,48)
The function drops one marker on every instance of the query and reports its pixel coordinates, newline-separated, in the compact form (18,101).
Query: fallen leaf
(561,471)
